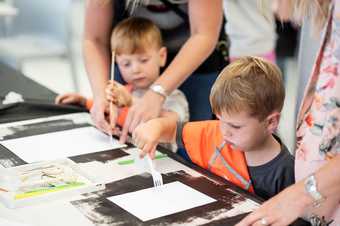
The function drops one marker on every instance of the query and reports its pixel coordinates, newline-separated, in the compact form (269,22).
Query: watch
(159,90)
(312,189)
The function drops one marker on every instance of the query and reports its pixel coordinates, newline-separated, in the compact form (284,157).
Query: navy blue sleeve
(181,151)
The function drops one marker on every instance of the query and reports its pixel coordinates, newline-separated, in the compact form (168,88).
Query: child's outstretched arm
(163,129)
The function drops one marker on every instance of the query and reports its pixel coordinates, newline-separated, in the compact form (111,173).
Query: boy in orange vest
(140,54)
(247,98)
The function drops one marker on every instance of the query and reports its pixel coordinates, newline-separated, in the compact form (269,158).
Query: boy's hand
(71,98)
(146,136)
(118,94)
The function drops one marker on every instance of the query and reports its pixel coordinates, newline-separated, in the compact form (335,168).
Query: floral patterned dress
(318,125)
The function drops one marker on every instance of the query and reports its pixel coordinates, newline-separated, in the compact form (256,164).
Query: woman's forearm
(97,67)
(328,184)
(96,44)
(328,179)
(205,27)
(186,61)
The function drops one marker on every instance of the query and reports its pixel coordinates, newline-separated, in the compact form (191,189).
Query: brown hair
(248,84)
(135,35)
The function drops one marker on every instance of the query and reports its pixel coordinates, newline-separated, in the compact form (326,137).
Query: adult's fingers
(125,130)
(99,120)
(103,125)
(251,219)
(136,120)
(266,221)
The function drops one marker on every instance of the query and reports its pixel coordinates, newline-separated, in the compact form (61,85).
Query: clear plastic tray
(46,181)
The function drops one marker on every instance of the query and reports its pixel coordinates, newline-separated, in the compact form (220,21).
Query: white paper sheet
(170,198)
(4,222)
(60,144)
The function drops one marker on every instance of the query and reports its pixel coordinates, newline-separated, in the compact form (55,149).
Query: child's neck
(266,152)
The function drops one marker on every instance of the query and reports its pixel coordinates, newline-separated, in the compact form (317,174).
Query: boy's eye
(144,60)
(235,127)
(126,64)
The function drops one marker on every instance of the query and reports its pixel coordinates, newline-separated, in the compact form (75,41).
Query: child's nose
(135,68)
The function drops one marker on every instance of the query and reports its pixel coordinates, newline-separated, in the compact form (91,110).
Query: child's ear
(163,52)
(273,121)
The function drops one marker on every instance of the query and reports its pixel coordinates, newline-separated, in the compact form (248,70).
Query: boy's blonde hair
(134,35)
(248,84)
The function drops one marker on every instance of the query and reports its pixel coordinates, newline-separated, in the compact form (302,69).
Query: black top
(173,21)
(272,177)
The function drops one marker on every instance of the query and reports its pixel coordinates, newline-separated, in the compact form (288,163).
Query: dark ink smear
(99,210)
(9,159)
(42,128)
(102,156)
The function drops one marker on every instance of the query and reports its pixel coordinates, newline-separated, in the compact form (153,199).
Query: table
(38,99)
(94,209)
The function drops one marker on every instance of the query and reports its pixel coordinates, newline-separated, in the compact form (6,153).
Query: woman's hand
(146,108)
(281,210)
(97,111)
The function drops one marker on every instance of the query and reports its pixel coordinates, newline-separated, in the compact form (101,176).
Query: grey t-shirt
(274,176)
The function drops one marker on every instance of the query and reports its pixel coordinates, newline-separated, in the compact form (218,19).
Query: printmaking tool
(156,176)
(112,110)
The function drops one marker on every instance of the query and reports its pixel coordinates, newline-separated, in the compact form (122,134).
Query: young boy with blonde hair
(139,53)
(247,98)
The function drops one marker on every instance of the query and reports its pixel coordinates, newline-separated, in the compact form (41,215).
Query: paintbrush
(112,111)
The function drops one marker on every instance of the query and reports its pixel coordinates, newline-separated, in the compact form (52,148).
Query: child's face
(141,69)
(243,131)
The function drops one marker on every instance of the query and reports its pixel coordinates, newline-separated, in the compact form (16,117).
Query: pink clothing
(318,125)
(270,56)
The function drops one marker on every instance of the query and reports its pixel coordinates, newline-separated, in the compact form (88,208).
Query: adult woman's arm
(205,23)
(292,202)
(96,50)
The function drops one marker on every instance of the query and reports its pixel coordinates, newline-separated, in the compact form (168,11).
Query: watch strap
(159,90)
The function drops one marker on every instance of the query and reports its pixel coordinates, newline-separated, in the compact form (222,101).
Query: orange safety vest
(205,146)
(122,111)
